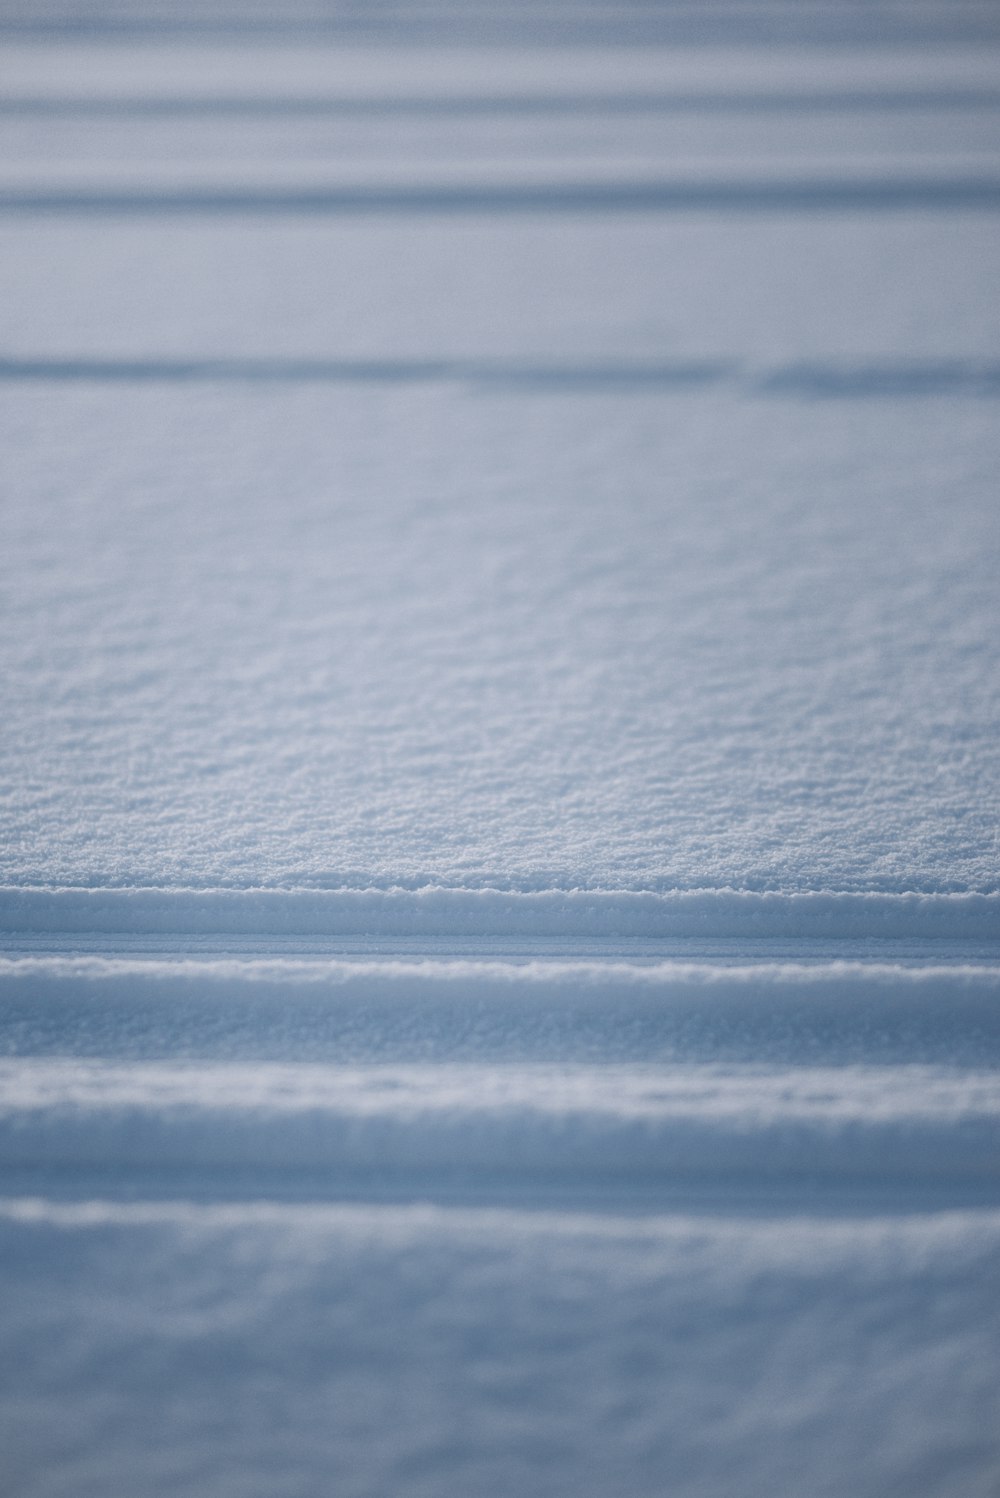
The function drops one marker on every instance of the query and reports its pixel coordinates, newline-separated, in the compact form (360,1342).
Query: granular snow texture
(499,898)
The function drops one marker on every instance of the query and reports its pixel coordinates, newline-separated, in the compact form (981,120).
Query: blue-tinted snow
(499,940)
(299,634)
(284,1349)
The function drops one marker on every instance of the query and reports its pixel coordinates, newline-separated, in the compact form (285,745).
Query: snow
(499,902)
(636,1132)
(430,911)
(416,1349)
(298,635)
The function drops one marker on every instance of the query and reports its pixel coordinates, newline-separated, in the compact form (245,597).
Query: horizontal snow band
(893,379)
(967,189)
(438,911)
(639,1122)
(177,105)
(258,1347)
(228,1009)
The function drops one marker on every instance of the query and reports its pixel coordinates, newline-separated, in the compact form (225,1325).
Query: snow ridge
(438,911)
(633,1126)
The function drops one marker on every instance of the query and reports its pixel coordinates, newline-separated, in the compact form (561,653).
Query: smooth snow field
(499,750)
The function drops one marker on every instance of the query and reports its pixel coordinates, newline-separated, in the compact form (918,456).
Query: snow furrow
(373,1010)
(637,1125)
(437,911)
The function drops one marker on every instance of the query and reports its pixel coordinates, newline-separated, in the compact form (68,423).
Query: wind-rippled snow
(499,904)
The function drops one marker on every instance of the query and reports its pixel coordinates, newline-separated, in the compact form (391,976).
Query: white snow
(635,1131)
(291,634)
(471,913)
(419,1350)
(499,898)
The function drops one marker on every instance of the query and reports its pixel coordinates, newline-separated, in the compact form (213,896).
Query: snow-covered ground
(499,896)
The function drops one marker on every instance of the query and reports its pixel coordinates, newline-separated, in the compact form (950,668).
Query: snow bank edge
(436,911)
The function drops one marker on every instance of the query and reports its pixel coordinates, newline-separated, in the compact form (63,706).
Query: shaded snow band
(900,378)
(777,195)
(442,912)
(411,1128)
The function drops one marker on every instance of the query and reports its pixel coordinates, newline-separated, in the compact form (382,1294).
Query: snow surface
(294,634)
(499,899)
(419,1350)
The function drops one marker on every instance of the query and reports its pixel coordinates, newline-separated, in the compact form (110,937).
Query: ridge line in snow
(553,972)
(647,1125)
(453,912)
(891,192)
